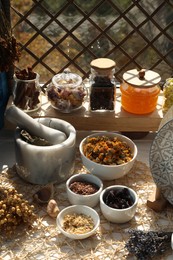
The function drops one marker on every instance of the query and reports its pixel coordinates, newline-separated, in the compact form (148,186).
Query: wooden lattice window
(70,33)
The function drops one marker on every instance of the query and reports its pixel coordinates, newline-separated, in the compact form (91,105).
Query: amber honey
(139,100)
(142,97)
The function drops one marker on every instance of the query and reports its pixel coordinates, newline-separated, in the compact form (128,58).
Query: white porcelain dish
(78,199)
(109,172)
(118,215)
(161,160)
(78,209)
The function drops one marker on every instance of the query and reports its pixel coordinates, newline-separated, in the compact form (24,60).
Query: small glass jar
(66,93)
(168,95)
(102,85)
(26,93)
(139,91)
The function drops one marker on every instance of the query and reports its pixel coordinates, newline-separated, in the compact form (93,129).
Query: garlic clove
(52,208)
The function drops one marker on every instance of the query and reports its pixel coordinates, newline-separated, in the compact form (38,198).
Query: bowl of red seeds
(84,189)
(118,203)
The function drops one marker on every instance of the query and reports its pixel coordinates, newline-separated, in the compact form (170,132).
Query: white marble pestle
(33,127)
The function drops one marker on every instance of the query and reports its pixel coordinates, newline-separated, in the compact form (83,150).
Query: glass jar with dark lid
(102,85)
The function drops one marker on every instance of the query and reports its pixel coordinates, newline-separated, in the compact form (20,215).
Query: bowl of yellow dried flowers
(108,155)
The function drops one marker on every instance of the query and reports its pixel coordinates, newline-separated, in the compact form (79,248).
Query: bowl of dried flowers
(78,221)
(108,155)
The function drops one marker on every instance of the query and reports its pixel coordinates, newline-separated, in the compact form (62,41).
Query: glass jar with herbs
(67,92)
(26,92)
(102,85)
(167,95)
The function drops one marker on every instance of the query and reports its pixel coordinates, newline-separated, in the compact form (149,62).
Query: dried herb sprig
(9,47)
(146,245)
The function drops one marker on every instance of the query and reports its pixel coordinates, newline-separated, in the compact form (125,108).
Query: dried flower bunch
(14,210)
(9,47)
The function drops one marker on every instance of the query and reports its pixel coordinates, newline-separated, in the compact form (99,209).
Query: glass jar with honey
(102,85)
(139,91)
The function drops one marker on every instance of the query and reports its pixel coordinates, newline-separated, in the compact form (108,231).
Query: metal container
(139,91)
(46,164)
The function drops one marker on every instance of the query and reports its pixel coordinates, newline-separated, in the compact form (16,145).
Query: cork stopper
(143,78)
(102,64)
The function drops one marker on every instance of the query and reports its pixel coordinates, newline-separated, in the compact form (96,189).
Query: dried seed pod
(52,208)
(44,194)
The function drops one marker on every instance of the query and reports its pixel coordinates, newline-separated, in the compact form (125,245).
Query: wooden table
(45,241)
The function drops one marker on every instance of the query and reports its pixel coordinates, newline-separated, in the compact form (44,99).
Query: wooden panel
(119,120)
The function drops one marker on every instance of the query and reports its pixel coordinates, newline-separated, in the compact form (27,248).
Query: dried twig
(9,47)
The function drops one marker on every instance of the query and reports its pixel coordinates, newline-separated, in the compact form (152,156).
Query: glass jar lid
(142,78)
(66,79)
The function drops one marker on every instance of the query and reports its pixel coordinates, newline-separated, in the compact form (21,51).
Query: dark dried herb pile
(118,199)
(146,245)
(35,140)
(26,74)
(9,47)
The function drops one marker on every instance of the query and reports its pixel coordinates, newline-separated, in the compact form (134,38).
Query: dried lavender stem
(145,245)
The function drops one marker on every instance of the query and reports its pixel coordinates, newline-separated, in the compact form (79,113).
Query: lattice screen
(56,34)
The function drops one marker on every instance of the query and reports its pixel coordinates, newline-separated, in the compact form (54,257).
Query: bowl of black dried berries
(118,203)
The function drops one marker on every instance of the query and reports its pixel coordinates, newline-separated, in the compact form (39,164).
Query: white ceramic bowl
(78,199)
(118,215)
(109,172)
(78,209)
(45,164)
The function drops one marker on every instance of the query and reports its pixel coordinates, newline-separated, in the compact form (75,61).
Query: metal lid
(66,79)
(142,78)
(102,64)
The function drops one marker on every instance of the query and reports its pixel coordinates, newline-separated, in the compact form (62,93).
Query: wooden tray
(119,120)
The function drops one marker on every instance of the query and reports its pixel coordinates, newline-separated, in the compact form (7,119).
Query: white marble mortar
(46,164)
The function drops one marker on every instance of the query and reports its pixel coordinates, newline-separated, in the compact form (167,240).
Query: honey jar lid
(142,78)
(102,64)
